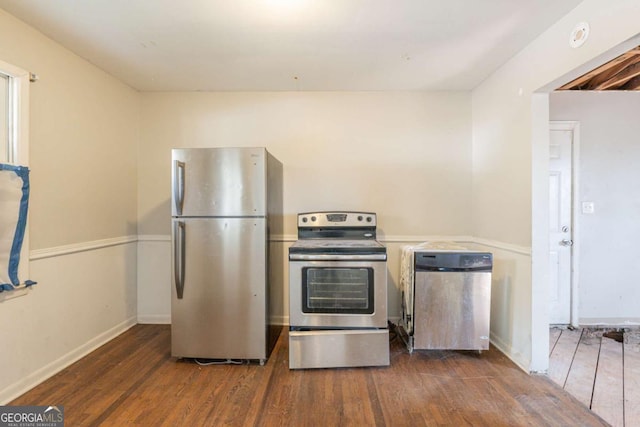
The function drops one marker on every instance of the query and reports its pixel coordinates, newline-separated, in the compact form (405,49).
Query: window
(14,232)
(14,110)
(4,118)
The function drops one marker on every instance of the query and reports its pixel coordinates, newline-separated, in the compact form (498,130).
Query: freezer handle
(178,185)
(179,256)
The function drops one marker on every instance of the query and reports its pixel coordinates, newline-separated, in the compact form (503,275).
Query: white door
(560,221)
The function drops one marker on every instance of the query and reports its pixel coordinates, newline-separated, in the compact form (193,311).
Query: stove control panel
(336,219)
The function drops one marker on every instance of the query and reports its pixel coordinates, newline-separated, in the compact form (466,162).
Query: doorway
(563,181)
(540,206)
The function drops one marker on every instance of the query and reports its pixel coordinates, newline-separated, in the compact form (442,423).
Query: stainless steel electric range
(337,292)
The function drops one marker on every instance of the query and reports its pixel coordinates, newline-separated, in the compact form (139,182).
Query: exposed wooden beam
(611,75)
(620,78)
(633,84)
(606,76)
(580,81)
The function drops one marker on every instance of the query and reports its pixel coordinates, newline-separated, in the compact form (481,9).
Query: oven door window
(337,290)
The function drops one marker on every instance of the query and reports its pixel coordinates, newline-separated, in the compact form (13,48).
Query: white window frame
(18,106)
(18,142)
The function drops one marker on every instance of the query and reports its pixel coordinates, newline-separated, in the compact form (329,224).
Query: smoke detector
(579,35)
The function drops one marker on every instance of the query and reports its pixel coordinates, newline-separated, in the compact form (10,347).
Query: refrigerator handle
(179,256)
(178,185)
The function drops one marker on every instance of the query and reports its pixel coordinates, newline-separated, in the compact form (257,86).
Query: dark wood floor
(133,380)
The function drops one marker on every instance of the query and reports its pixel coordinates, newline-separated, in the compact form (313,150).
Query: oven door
(337,294)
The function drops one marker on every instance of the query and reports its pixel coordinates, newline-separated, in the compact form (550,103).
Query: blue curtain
(14,205)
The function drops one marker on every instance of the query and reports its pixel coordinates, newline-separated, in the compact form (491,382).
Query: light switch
(588,208)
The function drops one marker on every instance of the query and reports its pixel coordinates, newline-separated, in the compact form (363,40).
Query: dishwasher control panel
(452,261)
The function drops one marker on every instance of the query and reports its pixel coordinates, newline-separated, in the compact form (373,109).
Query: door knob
(566,242)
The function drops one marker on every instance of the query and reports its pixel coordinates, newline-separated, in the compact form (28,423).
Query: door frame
(573,126)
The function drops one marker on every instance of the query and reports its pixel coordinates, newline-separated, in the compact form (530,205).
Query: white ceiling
(173,45)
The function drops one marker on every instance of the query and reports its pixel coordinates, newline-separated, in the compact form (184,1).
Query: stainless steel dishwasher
(451,300)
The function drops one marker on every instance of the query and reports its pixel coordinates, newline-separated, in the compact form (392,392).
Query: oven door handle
(333,257)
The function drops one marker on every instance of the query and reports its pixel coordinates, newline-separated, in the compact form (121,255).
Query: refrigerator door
(218,301)
(218,182)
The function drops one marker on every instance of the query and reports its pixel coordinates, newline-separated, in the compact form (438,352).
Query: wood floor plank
(554,334)
(607,393)
(582,374)
(133,380)
(562,355)
(632,379)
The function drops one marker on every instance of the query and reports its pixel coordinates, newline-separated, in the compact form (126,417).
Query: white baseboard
(508,351)
(280,320)
(610,322)
(395,320)
(154,319)
(161,319)
(27,383)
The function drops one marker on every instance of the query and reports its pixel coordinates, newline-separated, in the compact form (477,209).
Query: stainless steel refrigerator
(225,205)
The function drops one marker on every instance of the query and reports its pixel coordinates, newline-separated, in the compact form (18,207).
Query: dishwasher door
(452,301)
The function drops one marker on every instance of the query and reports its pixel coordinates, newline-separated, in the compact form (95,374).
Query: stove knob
(369,219)
(304,219)
(359,217)
(313,219)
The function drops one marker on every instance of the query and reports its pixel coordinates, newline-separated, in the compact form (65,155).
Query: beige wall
(83,136)
(404,155)
(502,114)
(510,160)
(83,159)
(100,158)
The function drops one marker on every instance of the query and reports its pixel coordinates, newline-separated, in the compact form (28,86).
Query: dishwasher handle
(454,270)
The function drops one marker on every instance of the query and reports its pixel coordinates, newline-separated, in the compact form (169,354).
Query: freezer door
(218,182)
(219,298)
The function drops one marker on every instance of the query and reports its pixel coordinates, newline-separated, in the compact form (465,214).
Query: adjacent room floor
(133,380)
(601,369)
